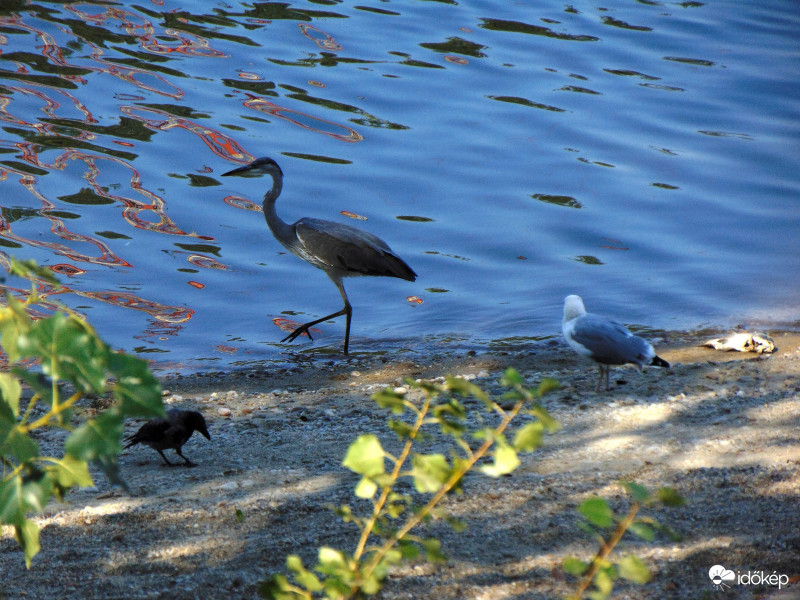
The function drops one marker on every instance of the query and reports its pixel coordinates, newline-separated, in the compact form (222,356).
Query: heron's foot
(298,332)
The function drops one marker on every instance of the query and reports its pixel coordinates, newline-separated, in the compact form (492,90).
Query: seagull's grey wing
(610,342)
(333,246)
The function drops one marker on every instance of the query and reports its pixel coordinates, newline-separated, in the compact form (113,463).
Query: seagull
(604,341)
(172,432)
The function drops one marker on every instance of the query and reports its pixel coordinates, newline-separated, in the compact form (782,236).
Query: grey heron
(173,432)
(604,341)
(339,250)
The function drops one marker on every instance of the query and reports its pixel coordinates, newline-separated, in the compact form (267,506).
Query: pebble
(225,412)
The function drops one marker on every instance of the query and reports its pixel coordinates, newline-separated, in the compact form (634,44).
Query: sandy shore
(721,428)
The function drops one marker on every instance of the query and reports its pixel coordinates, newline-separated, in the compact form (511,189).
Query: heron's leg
(346,310)
(304,328)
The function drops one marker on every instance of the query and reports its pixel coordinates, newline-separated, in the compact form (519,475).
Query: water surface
(643,155)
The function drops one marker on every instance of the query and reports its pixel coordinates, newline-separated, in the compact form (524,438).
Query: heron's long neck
(280,228)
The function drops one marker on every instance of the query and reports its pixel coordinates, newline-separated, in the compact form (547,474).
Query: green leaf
(37,382)
(303,576)
(505,461)
(529,437)
(597,511)
(637,491)
(669,497)
(575,567)
(511,378)
(70,471)
(13,442)
(388,398)
(401,428)
(69,349)
(331,561)
(549,423)
(99,437)
(366,488)
(546,386)
(633,569)
(10,391)
(604,582)
(433,550)
(408,550)
(365,456)
(27,534)
(25,491)
(13,322)
(466,388)
(278,587)
(30,270)
(642,530)
(430,472)
(138,391)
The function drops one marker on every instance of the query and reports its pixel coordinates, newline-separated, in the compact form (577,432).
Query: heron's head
(260,166)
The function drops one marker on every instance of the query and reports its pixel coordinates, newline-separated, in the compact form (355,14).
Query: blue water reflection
(642,155)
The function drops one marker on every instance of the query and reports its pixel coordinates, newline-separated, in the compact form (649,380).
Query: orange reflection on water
(243,203)
(288,325)
(302,119)
(206,262)
(57,226)
(44,289)
(144,31)
(219,143)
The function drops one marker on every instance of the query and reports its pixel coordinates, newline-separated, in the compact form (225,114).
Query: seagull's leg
(608,372)
(600,380)
(346,310)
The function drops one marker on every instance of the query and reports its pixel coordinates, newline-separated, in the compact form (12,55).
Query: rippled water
(641,154)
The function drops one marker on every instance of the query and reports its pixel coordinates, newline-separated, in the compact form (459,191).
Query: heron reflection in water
(339,250)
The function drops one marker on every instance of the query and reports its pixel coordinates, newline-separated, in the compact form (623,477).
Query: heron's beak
(237,171)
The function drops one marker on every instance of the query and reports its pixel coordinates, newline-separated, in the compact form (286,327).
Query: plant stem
(455,477)
(56,411)
(385,490)
(605,550)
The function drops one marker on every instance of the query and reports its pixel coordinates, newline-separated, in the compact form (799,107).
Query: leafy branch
(599,516)
(386,531)
(68,352)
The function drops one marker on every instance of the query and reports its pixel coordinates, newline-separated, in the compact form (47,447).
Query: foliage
(58,356)
(598,518)
(386,531)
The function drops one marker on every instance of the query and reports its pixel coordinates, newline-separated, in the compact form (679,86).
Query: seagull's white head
(573,308)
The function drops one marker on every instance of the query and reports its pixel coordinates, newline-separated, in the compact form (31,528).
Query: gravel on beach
(721,428)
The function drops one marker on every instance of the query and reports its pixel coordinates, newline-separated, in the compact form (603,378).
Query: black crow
(172,432)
